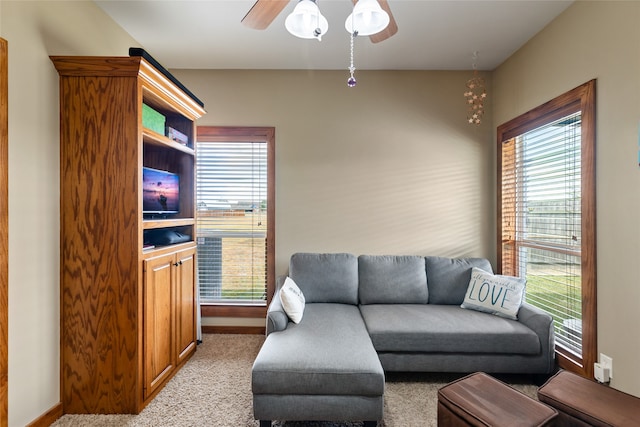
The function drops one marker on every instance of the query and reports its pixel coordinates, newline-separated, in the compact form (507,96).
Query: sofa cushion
(328,353)
(448,278)
(392,280)
(494,293)
(331,278)
(445,329)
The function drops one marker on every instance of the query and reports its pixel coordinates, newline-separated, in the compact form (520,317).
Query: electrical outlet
(600,374)
(607,363)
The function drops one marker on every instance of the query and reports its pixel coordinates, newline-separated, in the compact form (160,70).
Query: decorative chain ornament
(351,81)
(475,95)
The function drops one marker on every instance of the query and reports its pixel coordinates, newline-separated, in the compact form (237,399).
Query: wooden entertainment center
(128,311)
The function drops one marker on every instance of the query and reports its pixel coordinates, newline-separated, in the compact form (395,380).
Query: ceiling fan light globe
(306,21)
(367,18)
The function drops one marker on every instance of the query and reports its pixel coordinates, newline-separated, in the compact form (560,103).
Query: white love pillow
(495,294)
(292,300)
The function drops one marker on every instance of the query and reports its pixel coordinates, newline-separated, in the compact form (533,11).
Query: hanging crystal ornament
(475,95)
(351,81)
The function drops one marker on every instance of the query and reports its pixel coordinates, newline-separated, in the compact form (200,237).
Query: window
(546,224)
(235,216)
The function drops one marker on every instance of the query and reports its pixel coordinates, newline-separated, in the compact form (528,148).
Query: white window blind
(541,221)
(231,195)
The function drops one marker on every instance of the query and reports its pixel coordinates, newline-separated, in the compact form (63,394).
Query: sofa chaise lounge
(369,314)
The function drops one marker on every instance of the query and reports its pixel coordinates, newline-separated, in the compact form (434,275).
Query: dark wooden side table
(481,400)
(582,402)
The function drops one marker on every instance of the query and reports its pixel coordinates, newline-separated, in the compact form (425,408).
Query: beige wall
(34,31)
(596,40)
(388,167)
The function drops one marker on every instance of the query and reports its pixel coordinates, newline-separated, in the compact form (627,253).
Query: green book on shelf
(153,120)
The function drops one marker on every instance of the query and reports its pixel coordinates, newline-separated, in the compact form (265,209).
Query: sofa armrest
(540,322)
(277,319)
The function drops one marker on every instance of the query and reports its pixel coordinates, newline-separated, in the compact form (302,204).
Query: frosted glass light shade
(306,21)
(367,18)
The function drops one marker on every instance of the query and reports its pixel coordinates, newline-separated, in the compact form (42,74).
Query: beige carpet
(214,389)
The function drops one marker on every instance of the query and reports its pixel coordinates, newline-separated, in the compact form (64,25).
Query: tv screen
(160,191)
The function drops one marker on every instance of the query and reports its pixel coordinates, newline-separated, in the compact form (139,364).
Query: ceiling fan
(263,12)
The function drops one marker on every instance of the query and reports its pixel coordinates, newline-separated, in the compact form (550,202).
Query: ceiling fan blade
(391,29)
(263,12)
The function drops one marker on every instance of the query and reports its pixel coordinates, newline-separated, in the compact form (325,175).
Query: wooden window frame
(248,134)
(4,231)
(582,98)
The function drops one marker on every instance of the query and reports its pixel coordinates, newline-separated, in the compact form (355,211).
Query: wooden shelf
(149,224)
(161,250)
(154,138)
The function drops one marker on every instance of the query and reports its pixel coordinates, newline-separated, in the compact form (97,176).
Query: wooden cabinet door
(185,303)
(158,341)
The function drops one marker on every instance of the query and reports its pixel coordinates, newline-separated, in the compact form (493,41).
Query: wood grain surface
(118,345)
(4,231)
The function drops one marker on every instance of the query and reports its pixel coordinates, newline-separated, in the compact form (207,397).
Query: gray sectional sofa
(370,314)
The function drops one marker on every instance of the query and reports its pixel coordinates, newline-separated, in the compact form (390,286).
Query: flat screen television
(160,192)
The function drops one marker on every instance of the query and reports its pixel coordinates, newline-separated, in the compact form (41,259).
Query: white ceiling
(432,34)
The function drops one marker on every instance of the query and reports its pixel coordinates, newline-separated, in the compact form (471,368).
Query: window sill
(213,310)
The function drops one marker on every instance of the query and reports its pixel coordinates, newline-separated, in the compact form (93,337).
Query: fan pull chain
(318,32)
(351,81)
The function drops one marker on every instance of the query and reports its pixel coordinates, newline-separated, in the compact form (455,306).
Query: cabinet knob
(176,264)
